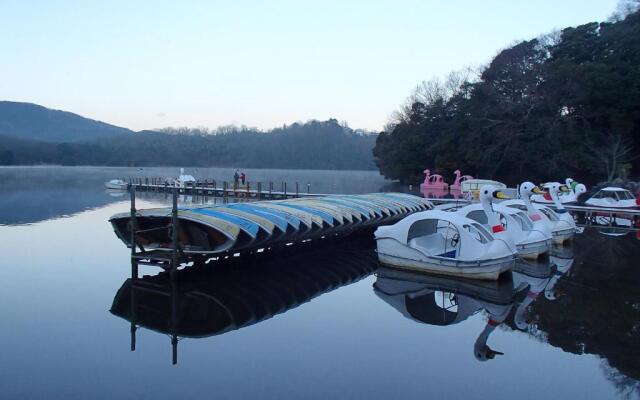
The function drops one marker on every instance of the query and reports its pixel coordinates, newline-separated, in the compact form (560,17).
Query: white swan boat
(512,223)
(565,224)
(612,197)
(444,243)
(569,196)
(542,217)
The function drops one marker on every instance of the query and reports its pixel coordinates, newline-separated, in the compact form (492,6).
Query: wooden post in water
(270,188)
(297,193)
(224,189)
(308,188)
(134,227)
(285,189)
(174,233)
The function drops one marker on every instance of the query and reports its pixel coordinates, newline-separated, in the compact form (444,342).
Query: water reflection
(212,300)
(442,301)
(34,194)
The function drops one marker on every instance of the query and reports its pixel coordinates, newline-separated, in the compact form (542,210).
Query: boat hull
(531,251)
(485,270)
(560,237)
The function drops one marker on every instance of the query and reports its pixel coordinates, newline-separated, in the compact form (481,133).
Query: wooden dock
(213,188)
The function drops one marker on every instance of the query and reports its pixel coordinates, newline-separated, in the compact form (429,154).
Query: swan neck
(556,201)
(492,218)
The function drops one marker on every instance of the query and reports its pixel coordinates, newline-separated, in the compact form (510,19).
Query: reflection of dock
(202,302)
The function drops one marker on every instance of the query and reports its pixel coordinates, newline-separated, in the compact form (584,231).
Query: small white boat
(184,179)
(511,222)
(612,197)
(444,243)
(116,184)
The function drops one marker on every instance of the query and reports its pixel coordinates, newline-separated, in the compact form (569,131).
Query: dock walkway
(212,188)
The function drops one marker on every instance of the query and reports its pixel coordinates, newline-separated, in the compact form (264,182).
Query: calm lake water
(323,321)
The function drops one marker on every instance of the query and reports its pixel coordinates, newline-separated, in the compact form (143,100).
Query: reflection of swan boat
(444,243)
(437,300)
(211,230)
(563,262)
(201,303)
(535,276)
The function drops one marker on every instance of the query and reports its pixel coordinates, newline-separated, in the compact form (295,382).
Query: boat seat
(434,244)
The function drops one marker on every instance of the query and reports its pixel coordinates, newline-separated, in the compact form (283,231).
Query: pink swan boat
(457,184)
(433,182)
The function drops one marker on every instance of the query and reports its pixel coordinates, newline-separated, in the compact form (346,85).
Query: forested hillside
(311,145)
(564,104)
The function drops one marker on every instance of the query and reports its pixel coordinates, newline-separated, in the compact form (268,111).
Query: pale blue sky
(147,65)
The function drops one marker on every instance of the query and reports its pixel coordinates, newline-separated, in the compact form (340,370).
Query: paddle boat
(542,217)
(457,184)
(570,196)
(116,184)
(433,182)
(612,197)
(444,243)
(444,301)
(512,223)
(252,225)
(565,224)
(470,188)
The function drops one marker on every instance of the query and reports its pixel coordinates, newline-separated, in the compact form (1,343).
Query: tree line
(310,145)
(564,104)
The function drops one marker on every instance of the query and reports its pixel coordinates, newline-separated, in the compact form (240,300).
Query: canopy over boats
(243,226)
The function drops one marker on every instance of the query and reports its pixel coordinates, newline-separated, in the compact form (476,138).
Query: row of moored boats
(480,240)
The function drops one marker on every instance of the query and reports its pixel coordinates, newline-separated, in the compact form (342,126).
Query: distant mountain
(31,121)
(67,139)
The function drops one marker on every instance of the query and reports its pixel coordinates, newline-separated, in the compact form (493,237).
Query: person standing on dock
(236,177)
(242,177)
